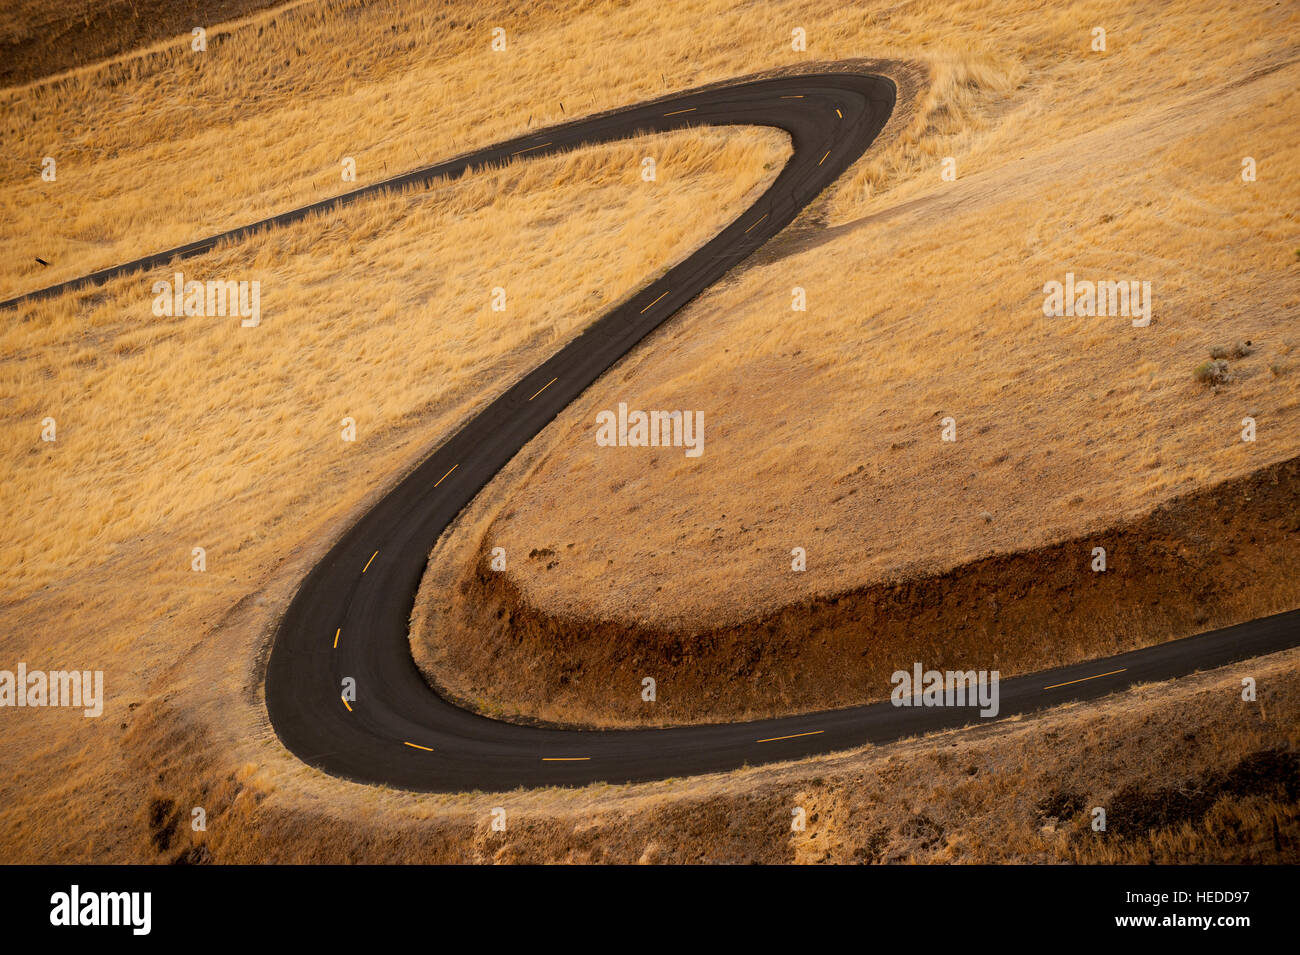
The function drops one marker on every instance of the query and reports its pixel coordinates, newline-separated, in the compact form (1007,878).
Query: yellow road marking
(544,387)
(678,111)
(427,749)
(336,637)
(529,149)
(800,96)
(444,477)
(756,223)
(651,305)
(565,759)
(345,703)
(838,113)
(1085,679)
(823,159)
(795,736)
(369,562)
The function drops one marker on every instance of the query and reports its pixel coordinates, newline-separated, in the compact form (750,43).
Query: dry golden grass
(261,120)
(183,432)
(380,313)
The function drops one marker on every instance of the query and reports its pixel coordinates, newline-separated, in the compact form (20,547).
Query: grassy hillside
(822,427)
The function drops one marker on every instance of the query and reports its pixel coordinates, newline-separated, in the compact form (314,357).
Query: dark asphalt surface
(398,731)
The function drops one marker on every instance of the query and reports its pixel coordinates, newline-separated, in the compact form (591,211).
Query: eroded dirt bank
(1205,560)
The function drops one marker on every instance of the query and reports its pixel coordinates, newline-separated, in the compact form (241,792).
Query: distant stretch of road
(349,619)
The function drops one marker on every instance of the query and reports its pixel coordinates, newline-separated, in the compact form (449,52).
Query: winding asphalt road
(350,617)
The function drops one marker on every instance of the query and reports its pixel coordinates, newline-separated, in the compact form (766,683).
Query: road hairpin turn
(350,618)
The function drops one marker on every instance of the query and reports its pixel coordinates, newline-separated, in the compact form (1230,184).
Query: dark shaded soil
(39,39)
(1270,774)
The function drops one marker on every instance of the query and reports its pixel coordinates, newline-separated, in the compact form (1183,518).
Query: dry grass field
(381,313)
(924,301)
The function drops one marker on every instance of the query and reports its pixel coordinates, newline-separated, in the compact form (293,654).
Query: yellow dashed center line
(345,703)
(651,305)
(823,159)
(795,736)
(544,387)
(445,476)
(800,96)
(756,222)
(678,112)
(336,637)
(565,759)
(1085,679)
(369,562)
(427,749)
(529,149)
(838,113)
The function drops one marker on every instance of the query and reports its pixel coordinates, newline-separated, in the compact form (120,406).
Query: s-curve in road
(349,619)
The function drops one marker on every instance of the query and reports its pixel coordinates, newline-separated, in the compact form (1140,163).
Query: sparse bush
(923,829)
(1235,350)
(1061,804)
(1213,372)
